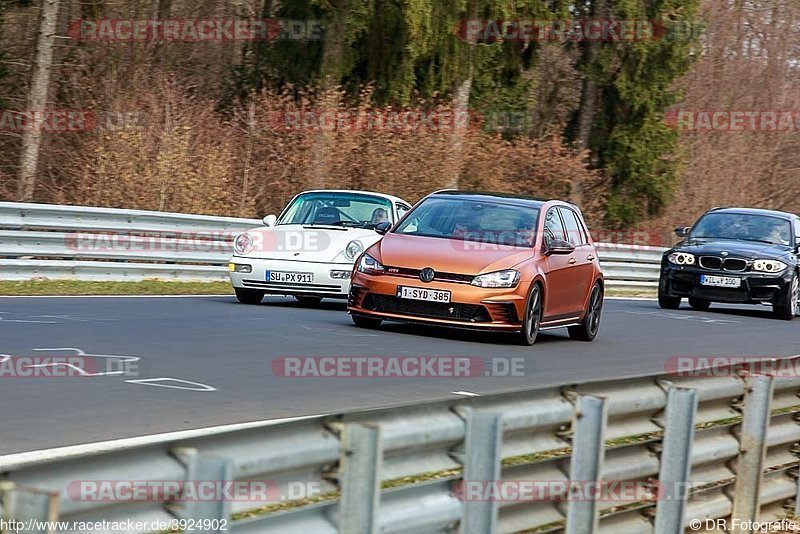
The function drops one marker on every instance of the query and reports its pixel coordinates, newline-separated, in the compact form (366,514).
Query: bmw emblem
(726,253)
(427,275)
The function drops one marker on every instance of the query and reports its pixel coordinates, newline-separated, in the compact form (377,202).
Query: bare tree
(37,99)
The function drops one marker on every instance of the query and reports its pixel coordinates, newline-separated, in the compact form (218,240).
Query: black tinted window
(573,227)
(553,228)
(743,227)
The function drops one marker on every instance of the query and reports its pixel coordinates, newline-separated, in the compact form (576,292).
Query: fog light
(240,268)
(340,275)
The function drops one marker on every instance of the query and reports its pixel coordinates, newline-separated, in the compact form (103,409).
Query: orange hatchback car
(483,261)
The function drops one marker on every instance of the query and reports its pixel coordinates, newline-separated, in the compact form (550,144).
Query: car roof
(506,198)
(373,193)
(755,211)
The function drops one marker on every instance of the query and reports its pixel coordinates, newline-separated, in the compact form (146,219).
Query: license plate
(720,281)
(418,293)
(290,278)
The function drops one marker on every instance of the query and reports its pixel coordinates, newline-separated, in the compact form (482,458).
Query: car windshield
(744,227)
(337,209)
(472,220)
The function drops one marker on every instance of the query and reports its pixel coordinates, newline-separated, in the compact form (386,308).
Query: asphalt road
(206,361)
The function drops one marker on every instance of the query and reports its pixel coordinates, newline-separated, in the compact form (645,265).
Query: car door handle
(573,261)
(590,257)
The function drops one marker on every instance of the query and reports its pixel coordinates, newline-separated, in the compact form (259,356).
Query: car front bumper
(683,281)
(324,285)
(469,307)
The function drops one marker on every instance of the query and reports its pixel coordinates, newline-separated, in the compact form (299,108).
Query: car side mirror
(559,247)
(682,231)
(383,228)
(270,220)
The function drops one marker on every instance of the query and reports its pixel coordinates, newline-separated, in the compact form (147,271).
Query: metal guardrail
(711,445)
(103,244)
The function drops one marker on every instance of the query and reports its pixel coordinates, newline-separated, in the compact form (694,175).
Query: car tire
(309,301)
(789,305)
(699,304)
(532,318)
(249,296)
(668,303)
(366,322)
(590,325)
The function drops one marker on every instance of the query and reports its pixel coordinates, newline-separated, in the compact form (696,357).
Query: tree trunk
(461,93)
(37,99)
(588,109)
(331,75)
(461,111)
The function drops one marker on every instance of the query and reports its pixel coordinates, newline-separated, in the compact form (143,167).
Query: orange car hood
(449,255)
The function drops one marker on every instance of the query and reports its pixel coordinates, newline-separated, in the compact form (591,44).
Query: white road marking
(25,321)
(73,318)
(21,459)
(80,352)
(155,382)
(465,393)
(681,317)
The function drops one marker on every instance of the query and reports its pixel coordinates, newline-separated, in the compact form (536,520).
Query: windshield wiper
(332,226)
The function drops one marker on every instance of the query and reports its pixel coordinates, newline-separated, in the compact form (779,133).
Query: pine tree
(634,79)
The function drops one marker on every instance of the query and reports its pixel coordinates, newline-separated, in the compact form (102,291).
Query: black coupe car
(735,255)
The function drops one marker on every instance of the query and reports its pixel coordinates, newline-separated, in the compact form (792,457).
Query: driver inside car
(379,215)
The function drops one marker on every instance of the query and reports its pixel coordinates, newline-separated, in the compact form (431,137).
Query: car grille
(438,310)
(734,264)
(718,264)
(285,286)
(356,296)
(503,312)
(711,262)
(439,277)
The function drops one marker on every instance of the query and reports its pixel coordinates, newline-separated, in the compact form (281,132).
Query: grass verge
(631,293)
(146,287)
(163,287)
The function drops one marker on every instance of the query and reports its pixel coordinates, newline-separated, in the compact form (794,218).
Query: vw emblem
(427,275)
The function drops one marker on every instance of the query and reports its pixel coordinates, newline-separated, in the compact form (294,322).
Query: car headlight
(508,278)
(769,266)
(353,249)
(681,258)
(243,244)
(369,265)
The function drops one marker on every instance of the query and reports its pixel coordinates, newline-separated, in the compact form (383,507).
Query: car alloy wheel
(795,299)
(590,326)
(790,307)
(533,317)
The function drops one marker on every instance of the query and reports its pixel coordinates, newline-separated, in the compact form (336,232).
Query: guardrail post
(205,468)
(797,495)
(21,505)
(752,448)
(676,462)
(361,459)
(482,452)
(587,462)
